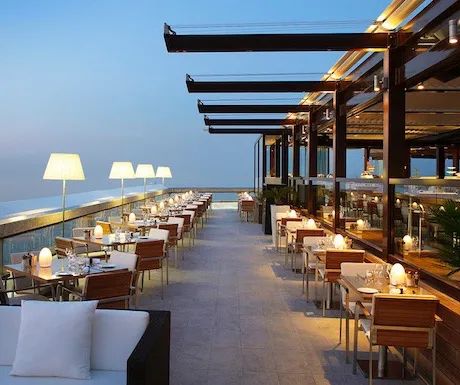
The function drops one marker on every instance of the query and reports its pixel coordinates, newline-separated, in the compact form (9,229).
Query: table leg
(382,362)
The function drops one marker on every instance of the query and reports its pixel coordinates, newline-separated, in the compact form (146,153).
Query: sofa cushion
(115,335)
(10,319)
(98,377)
(54,339)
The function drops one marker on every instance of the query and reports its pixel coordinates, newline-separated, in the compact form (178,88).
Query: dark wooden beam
(264,160)
(248,131)
(252,122)
(269,42)
(253,108)
(312,149)
(264,86)
(296,131)
(396,154)
(273,160)
(277,158)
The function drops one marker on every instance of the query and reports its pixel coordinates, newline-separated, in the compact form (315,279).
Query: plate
(367,290)
(107,266)
(63,274)
(143,237)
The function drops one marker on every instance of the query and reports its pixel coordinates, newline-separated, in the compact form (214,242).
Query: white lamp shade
(122,170)
(64,167)
(163,172)
(291,214)
(132,218)
(339,242)
(170,201)
(153,209)
(145,171)
(162,205)
(45,258)
(407,240)
(397,275)
(360,224)
(98,232)
(311,224)
(177,198)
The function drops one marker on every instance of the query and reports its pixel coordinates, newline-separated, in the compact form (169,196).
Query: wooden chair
(248,207)
(150,256)
(106,227)
(348,301)
(112,289)
(313,236)
(187,227)
(16,300)
(406,321)
(81,249)
(281,229)
(295,246)
(331,270)
(172,238)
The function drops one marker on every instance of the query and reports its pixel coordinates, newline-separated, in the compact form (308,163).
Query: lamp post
(64,167)
(122,171)
(163,172)
(145,171)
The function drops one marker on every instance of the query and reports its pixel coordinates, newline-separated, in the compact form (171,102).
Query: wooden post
(264,161)
(284,158)
(396,155)
(273,161)
(312,170)
(277,158)
(296,132)
(339,148)
(367,155)
(440,162)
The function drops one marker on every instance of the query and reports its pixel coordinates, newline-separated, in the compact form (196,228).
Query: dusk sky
(94,77)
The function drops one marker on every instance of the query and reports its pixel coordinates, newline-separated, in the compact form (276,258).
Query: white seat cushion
(98,377)
(10,319)
(366,326)
(123,259)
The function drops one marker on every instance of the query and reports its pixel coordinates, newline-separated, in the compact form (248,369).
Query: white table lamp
(339,241)
(397,275)
(311,224)
(64,167)
(98,232)
(45,258)
(144,171)
(122,171)
(163,172)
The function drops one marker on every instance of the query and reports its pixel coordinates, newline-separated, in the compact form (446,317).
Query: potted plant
(447,217)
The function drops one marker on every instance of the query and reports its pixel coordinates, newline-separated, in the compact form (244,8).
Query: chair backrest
(124,260)
(3,295)
(350,269)
(285,220)
(106,227)
(403,320)
(156,234)
(187,219)
(189,212)
(111,289)
(335,258)
(171,227)
(19,281)
(248,205)
(80,231)
(302,233)
(176,220)
(61,244)
(149,254)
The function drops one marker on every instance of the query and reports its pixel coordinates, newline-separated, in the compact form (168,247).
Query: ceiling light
(376,83)
(453,31)
(420,86)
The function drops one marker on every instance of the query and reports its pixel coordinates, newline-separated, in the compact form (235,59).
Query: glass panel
(430,214)
(325,200)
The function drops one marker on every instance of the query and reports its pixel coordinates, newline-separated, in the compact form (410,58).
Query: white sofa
(128,347)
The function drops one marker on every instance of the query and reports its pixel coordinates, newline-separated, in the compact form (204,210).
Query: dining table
(354,286)
(113,241)
(57,274)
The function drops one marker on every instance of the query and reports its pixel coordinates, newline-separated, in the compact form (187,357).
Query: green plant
(447,217)
(280,195)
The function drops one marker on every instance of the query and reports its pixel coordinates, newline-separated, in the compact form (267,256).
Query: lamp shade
(360,224)
(397,275)
(311,224)
(339,241)
(132,218)
(145,171)
(407,242)
(64,167)
(163,172)
(122,170)
(98,232)
(45,258)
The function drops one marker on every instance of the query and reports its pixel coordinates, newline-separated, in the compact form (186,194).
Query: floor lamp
(163,172)
(122,171)
(144,171)
(64,167)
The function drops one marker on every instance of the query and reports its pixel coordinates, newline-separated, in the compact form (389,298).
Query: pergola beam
(264,86)
(250,131)
(252,122)
(284,42)
(253,108)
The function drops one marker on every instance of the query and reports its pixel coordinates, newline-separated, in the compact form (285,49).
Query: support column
(296,132)
(284,158)
(264,161)
(440,162)
(456,158)
(367,155)
(277,158)
(339,148)
(396,155)
(312,162)
(273,160)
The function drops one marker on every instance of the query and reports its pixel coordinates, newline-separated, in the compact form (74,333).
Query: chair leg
(149,276)
(415,361)
(355,342)
(340,321)
(324,298)
(433,358)
(347,335)
(404,363)
(175,255)
(161,272)
(371,364)
(142,282)
(167,270)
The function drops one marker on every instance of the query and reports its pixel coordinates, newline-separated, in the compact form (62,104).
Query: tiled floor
(239,317)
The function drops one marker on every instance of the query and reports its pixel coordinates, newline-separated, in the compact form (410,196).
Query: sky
(93,77)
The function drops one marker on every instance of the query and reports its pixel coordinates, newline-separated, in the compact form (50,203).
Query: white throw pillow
(55,339)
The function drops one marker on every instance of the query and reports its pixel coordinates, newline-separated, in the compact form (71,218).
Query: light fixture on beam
(420,86)
(327,114)
(377,84)
(453,31)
